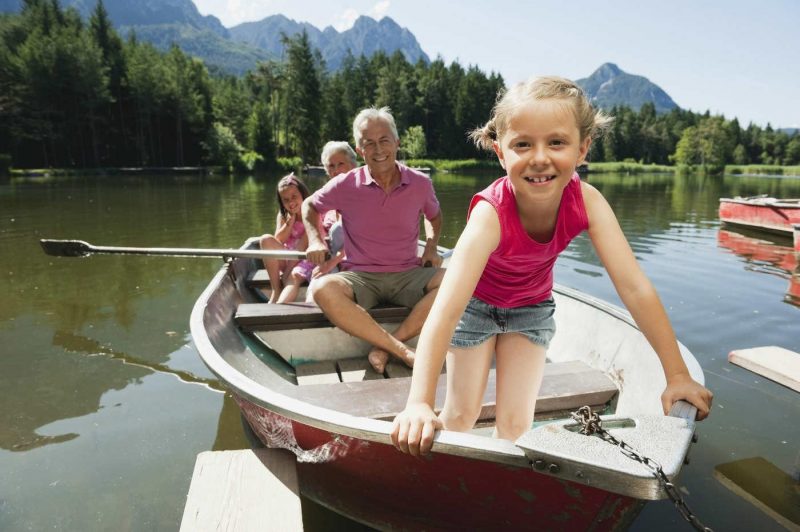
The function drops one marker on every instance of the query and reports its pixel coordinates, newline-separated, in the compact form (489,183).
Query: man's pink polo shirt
(380,230)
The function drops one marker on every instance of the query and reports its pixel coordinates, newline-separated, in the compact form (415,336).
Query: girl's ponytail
(484,136)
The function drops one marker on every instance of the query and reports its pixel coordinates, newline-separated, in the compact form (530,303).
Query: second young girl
(287,276)
(495,298)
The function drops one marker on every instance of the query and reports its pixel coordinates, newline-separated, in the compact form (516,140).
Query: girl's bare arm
(414,428)
(642,301)
(283,227)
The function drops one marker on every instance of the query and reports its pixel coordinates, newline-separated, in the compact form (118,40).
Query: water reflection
(764,485)
(765,253)
(72,384)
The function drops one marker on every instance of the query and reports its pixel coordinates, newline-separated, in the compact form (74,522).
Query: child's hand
(413,429)
(682,386)
(328,265)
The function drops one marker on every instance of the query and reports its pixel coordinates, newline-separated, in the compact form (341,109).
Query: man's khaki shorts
(382,288)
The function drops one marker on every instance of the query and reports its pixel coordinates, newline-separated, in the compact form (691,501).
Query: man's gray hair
(337,146)
(372,113)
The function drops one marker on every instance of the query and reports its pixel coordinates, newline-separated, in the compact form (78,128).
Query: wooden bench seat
(277,317)
(566,386)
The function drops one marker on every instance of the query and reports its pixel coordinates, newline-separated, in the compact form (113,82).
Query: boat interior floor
(350,385)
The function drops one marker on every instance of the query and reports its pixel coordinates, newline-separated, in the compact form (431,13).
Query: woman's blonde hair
(591,122)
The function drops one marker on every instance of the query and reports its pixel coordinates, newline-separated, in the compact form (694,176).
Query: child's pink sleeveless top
(298,230)
(520,270)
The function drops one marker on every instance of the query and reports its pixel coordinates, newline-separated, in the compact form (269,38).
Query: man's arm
(317,251)
(433,229)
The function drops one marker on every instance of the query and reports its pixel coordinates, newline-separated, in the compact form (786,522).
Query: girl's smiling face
(291,199)
(541,148)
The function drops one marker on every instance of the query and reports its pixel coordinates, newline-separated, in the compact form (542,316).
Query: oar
(79,248)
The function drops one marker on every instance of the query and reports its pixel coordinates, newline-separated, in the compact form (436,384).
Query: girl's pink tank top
(298,230)
(520,270)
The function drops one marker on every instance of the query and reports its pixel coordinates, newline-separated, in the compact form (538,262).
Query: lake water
(105,403)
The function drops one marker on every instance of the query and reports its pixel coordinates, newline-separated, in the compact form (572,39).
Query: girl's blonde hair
(591,122)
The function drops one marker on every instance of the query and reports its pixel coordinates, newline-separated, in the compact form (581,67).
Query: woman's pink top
(520,270)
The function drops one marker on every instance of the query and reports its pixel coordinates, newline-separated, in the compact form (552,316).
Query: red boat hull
(758,213)
(375,484)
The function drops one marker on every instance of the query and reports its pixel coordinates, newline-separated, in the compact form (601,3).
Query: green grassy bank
(760,169)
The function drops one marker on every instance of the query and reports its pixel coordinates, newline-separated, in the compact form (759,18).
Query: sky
(732,57)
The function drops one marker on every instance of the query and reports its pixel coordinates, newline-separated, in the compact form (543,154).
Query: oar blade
(66,248)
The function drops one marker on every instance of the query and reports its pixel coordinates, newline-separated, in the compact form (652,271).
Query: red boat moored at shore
(764,213)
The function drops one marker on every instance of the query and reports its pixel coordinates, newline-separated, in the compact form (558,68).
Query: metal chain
(590,423)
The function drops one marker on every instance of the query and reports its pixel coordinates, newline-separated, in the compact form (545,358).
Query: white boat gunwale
(616,476)
(765,201)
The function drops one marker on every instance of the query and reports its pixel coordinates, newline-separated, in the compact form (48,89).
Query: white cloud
(232,12)
(248,10)
(345,20)
(380,9)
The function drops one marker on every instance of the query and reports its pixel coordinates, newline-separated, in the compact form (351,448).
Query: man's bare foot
(378,358)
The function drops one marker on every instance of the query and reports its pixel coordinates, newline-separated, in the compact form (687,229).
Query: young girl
(286,276)
(496,294)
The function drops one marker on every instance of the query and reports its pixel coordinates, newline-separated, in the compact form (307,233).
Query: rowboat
(304,385)
(765,213)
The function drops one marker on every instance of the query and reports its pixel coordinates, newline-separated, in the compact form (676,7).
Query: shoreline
(428,165)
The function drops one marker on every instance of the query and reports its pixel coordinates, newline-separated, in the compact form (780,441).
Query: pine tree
(302,97)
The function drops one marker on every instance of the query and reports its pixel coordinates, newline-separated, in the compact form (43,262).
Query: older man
(380,206)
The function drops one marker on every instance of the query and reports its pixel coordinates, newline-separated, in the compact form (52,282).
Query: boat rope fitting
(591,425)
(228,260)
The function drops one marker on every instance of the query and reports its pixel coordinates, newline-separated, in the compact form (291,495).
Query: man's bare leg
(410,327)
(335,297)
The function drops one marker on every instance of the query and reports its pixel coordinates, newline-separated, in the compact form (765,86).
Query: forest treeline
(74,93)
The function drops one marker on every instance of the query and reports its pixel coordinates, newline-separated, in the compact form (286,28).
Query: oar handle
(684,410)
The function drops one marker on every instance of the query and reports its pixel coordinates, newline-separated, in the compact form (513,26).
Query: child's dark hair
(286,182)
(591,122)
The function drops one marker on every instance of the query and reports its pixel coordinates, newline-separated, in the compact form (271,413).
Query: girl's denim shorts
(481,321)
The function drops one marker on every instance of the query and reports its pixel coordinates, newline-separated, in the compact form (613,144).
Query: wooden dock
(775,363)
(243,491)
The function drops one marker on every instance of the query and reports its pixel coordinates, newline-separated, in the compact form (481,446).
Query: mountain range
(609,86)
(366,37)
(238,49)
